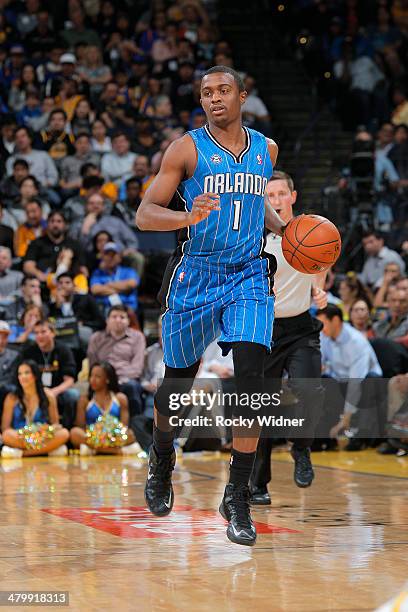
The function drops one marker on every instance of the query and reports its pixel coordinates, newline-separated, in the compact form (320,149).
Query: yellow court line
(363,462)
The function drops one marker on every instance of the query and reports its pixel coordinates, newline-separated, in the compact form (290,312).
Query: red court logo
(137,522)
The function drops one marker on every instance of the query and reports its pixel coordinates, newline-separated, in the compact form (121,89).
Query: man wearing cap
(113,284)
(68,65)
(8,358)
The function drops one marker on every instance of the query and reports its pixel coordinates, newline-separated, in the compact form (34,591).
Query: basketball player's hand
(319,297)
(202,206)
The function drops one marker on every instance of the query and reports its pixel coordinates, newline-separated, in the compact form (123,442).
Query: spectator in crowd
(74,208)
(83,118)
(400,113)
(94,72)
(98,243)
(44,253)
(350,290)
(104,398)
(6,232)
(71,179)
(56,139)
(40,163)
(392,273)
(365,81)
(33,227)
(101,143)
(378,255)
(28,293)
(153,372)
(8,361)
(69,97)
(7,138)
(182,87)
(24,330)
(60,73)
(113,283)
(29,189)
(254,111)
(10,185)
(124,348)
(79,310)
(79,33)
(108,189)
(126,209)
(346,355)
(20,88)
(395,324)
(10,280)
(42,38)
(359,315)
(31,113)
(57,367)
(97,221)
(120,161)
(31,403)
(142,171)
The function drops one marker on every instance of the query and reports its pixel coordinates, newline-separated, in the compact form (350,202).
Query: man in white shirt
(296,346)
(120,161)
(378,257)
(40,163)
(348,357)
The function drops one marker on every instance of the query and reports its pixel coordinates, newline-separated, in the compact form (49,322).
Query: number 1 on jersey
(237,215)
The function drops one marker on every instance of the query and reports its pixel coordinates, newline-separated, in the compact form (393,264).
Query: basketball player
(218,283)
(296,344)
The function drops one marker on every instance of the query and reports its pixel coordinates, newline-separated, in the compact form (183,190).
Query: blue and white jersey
(234,234)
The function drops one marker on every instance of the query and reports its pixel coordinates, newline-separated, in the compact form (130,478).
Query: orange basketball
(311,244)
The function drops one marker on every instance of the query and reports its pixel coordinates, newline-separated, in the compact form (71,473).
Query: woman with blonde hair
(94,72)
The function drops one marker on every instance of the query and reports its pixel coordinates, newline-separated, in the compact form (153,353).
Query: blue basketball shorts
(203,302)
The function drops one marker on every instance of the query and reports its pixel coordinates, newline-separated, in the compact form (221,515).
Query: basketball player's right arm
(153,212)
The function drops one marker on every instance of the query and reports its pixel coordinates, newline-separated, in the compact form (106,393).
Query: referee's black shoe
(303,473)
(158,492)
(259,496)
(235,509)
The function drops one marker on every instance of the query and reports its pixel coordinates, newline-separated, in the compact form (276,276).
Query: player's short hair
(330,312)
(278,175)
(226,69)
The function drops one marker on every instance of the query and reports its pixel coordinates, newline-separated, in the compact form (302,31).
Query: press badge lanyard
(46,377)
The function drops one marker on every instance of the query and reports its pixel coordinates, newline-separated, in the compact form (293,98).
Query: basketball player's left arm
(273,221)
(319,295)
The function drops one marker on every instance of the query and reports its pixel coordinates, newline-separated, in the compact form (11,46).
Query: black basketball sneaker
(235,509)
(303,474)
(158,492)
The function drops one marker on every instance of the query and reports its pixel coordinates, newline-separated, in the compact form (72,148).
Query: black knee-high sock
(163,441)
(241,465)
(176,381)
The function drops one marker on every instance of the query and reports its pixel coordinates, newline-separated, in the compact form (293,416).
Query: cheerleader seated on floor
(102,417)
(30,420)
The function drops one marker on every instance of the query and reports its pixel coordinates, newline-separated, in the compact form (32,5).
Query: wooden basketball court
(80,525)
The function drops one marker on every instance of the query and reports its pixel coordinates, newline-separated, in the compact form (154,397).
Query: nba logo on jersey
(259,159)
(181,277)
(216,159)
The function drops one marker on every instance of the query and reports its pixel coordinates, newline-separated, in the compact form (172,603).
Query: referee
(296,343)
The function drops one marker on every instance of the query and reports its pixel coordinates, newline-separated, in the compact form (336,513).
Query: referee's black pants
(296,350)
